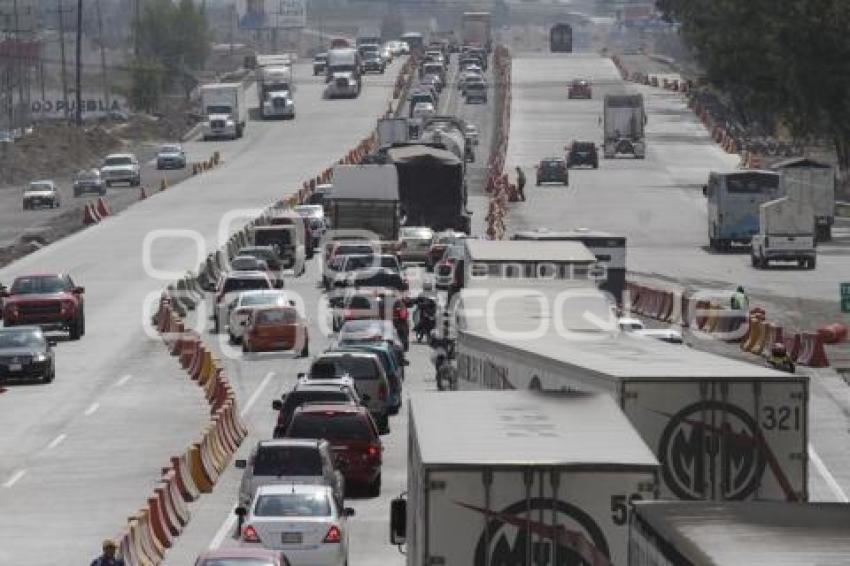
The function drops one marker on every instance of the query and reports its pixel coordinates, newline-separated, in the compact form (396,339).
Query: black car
(320,64)
(374,63)
(26,354)
(583,153)
(89,181)
(306,392)
(553,170)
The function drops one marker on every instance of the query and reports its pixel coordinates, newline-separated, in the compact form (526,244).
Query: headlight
(40,357)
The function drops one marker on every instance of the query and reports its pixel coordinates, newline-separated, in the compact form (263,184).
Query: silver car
(289,461)
(416,243)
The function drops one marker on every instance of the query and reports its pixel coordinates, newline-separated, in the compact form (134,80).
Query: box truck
(365,197)
(519,477)
(735,534)
(786,233)
(815,182)
(624,120)
(225,110)
(722,429)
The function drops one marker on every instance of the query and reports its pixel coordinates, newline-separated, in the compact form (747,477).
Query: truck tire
(375,487)
(754,261)
(74,331)
(810,264)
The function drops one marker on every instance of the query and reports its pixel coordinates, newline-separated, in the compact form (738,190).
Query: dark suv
(352,435)
(306,392)
(552,170)
(582,153)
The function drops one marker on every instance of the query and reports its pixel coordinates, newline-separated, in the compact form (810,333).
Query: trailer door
(724,440)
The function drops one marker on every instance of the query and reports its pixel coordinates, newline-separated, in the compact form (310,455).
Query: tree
(147,78)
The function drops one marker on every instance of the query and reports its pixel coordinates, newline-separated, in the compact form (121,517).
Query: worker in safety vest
(779,358)
(739,299)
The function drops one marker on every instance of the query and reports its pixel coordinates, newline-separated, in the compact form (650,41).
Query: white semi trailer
(519,477)
(624,120)
(721,429)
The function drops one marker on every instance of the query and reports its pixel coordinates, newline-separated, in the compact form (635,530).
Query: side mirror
(79,290)
(405,362)
(278,283)
(240,512)
(52,342)
(705,190)
(241,464)
(277,405)
(301,374)
(348,512)
(365,398)
(398,521)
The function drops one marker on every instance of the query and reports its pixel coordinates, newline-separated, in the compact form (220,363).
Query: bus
(561,38)
(733,205)
(415,42)
(609,249)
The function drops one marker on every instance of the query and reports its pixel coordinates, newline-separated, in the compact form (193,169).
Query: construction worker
(108,557)
(739,300)
(779,358)
(520,183)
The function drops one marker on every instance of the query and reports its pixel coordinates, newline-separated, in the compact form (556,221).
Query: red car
(353,437)
(53,302)
(275,328)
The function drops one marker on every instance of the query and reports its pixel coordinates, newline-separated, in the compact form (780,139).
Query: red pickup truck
(53,302)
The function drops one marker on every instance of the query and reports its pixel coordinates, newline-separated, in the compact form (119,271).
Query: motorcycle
(425,319)
(783,365)
(441,357)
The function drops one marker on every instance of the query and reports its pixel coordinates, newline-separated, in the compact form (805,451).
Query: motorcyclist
(780,359)
(426,315)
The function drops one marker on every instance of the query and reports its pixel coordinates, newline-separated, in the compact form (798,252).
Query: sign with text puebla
(845,297)
(271,14)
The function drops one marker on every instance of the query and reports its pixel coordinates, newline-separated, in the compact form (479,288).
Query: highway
(658,204)
(80,455)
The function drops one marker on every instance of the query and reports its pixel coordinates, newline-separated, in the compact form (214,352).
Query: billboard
(270,14)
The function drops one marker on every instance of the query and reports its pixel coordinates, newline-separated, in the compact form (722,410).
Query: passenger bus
(415,42)
(609,249)
(561,38)
(733,205)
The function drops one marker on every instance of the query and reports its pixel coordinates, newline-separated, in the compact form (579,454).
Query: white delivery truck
(737,534)
(813,181)
(520,477)
(624,119)
(393,131)
(275,91)
(722,429)
(225,110)
(786,233)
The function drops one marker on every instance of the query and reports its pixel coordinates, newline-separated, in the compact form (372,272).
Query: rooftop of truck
(585,334)
(519,250)
(525,428)
(753,533)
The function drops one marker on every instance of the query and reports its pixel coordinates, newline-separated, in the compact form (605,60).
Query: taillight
(373,451)
(347,314)
(249,534)
(334,535)
(382,392)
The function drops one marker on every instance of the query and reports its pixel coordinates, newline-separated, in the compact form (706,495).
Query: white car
(121,168)
(228,288)
(304,521)
(41,194)
(422,111)
(629,324)
(471,132)
(636,327)
(415,243)
(247,301)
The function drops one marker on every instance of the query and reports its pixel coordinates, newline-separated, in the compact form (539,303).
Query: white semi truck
(225,110)
(722,429)
(786,233)
(275,91)
(519,477)
(624,121)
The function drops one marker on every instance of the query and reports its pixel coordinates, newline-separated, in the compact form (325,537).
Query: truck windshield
(213,109)
(118,161)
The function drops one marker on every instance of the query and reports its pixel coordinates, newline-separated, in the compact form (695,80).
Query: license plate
(291,538)
(15,367)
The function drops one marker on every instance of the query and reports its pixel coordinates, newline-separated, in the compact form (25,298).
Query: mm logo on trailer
(525,529)
(712,447)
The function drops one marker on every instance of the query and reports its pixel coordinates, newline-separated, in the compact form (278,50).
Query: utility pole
(103,76)
(137,27)
(61,11)
(79,108)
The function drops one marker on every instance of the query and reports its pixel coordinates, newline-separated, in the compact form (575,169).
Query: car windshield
(287,461)
(118,161)
(40,187)
(276,316)
(34,285)
(259,253)
(389,279)
(332,427)
(22,338)
(298,398)
(353,249)
(582,146)
(244,264)
(353,262)
(88,175)
(293,505)
(251,299)
(170,149)
(417,233)
(245,284)
(356,367)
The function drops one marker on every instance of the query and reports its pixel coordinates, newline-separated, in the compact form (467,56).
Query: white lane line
(56,441)
(256,394)
(92,408)
(830,480)
(124,379)
(14,479)
(225,529)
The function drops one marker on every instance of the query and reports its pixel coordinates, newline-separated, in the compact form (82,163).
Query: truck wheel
(375,487)
(754,261)
(74,331)
(305,351)
(810,263)
(49,375)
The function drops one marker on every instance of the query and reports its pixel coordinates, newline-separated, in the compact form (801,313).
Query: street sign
(845,297)
(271,14)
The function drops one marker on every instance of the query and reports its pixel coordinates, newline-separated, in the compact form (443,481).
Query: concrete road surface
(81,455)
